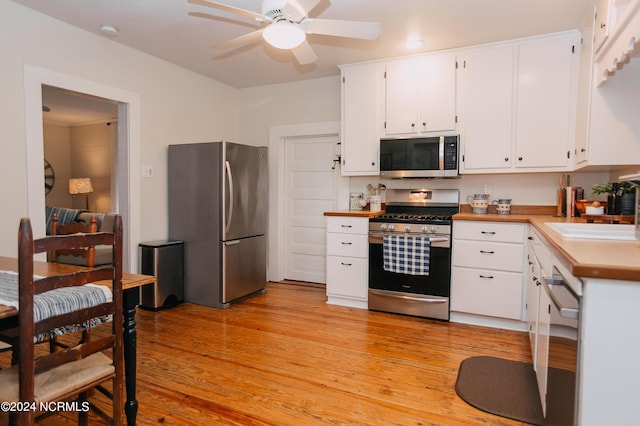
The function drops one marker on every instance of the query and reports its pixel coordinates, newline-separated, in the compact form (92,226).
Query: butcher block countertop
(354,213)
(586,258)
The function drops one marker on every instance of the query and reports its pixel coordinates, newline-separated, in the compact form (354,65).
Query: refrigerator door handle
(232,243)
(230,177)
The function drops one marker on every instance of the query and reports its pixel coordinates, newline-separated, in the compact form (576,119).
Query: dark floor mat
(502,387)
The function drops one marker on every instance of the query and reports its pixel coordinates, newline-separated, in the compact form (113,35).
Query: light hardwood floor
(288,358)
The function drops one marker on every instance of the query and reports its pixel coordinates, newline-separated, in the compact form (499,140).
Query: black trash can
(165,261)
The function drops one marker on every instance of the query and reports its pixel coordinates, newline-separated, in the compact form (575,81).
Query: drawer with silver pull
(347,225)
(347,245)
(489,231)
(489,255)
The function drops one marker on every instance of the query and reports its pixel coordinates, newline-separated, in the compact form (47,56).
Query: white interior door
(311,188)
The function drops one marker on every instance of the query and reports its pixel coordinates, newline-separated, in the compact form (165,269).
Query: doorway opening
(124,171)
(80,134)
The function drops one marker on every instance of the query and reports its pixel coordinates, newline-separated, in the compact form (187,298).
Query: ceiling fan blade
(298,9)
(227,8)
(352,29)
(243,39)
(219,19)
(304,53)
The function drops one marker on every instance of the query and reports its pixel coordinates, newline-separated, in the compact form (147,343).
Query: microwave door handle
(441,153)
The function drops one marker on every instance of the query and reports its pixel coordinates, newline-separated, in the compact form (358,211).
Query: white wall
(57,151)
(308,101)
(177,106)
(91,157)
(538,189)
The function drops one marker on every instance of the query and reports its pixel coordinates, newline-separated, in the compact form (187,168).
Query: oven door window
(437,283)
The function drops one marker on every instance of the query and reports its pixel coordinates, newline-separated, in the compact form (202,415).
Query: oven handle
(558,281)
(415,299)
(375,237)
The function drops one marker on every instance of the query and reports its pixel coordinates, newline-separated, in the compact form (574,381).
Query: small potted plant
(621,196)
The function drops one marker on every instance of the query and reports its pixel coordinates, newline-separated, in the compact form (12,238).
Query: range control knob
(391,227)
(383,227)
(433,229)
(407,228)
(424,229)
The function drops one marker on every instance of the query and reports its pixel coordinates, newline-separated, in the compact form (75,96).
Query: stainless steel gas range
(410,253)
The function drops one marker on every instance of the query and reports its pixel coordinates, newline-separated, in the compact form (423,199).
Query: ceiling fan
(286,24)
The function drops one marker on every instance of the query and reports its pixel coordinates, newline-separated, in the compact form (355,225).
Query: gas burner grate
(416,218)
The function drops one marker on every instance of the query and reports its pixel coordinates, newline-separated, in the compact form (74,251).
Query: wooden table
(131,298)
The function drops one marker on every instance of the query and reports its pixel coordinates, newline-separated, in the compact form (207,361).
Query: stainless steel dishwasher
(562,377)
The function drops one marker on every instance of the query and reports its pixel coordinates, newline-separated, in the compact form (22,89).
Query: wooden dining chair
(71,372)
(88,253)
(10,336)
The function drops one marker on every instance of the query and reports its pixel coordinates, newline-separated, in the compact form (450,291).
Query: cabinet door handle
(488,232)
(345,264)
(346,243)
(486,277)
(346,226)
(487,251)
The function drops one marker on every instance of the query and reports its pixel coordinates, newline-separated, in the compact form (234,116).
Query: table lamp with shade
(81,186)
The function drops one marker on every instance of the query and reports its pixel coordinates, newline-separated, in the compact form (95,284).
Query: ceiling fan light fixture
(284,35)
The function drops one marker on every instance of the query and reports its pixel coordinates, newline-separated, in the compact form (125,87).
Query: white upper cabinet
(545,110)
(608,98)
(360,125)
(583,97)
(420,95)
(617,36)
(518,105)
(601,28)
(486,91)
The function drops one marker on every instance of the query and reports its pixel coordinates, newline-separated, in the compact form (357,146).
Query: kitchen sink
(594,231)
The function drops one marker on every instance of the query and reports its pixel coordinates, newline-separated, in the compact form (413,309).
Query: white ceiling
(65,107)
(163,28)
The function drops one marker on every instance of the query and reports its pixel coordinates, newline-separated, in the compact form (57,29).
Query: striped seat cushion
(56,302)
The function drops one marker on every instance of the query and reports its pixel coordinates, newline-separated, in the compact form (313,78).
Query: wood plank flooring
(288,358)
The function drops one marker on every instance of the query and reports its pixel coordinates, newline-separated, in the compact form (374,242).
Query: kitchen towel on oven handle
(406,254)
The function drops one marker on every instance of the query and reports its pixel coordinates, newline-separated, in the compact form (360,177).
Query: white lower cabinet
(488,265)
(347,261)
(542,348)
(531,304)
(539,268)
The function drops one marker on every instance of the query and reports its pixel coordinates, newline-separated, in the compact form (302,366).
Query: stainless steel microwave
(423,157)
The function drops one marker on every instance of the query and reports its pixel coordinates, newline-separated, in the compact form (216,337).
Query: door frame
(277,137)
(127,160)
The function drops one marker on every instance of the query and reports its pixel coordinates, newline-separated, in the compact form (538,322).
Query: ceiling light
(283,35)
(109,30)
(413,44)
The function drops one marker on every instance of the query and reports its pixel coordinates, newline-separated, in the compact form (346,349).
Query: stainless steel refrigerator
(218,207)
